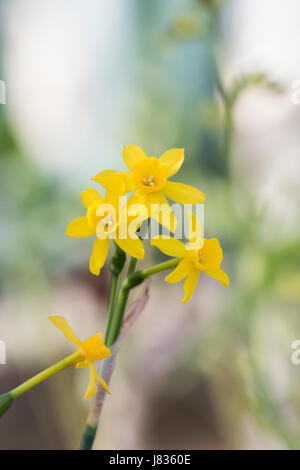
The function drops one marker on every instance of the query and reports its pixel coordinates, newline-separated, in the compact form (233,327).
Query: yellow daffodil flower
(106,219)
(148,177)
(93,349)
(199,255)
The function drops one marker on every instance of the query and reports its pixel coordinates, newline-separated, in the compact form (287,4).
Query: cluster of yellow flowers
(148,180)
(111,218)
(108,218)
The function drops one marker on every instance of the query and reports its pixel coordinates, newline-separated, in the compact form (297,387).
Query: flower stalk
(111,332)
(116,267)
(158,268)
(133,279)
(46,373)
(7,399)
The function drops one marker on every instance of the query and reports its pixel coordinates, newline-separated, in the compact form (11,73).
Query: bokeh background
(215,77)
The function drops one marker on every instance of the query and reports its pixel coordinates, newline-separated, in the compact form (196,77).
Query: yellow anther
(107,221)
(149,181)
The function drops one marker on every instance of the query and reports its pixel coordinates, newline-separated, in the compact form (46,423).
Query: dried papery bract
(107,366)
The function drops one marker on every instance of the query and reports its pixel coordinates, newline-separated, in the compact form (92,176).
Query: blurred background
(218,78)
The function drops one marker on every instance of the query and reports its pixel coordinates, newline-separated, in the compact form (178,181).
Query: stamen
(107,221)
(150,181)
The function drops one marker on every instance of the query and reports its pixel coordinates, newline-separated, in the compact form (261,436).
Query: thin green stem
(133,279)
(88,437)
(117,264)
(45,374)
(117,317)
(227,104)
(111,304)
(115,322)
(160,267)
(132,266)
(6,399)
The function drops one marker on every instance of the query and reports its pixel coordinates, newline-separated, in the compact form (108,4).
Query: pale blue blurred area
(68,92)
(75,101)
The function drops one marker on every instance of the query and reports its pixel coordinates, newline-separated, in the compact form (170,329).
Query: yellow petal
(92,387)
(134,209)
(183,193)
(99,254)
(149,175)
(115,199)
(95,348)
(132,246)
(111,180)
(145,200)
(220,275)
(189,285)
(212,254)
(89,196)
(172,160)
(151,205)
(195,232)
(80,228)
(169,246)
(132,216)
(83,363)
(160,210)
(132,154)
(139,198)
(129,181)
(180,272)
(133,213)
(156,206)
(62,324)
(102,383)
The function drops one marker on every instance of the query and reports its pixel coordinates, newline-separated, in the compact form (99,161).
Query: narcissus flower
(148,177)
(199,255)
(93,349)
(106,219)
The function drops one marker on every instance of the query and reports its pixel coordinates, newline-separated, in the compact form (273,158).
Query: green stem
(117,317)
(115,323)
(45,374)
(6,399)
(228,105)
(112,298)
(160,267)
(132,266)
(133,279)
(88,437)
(117,264)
